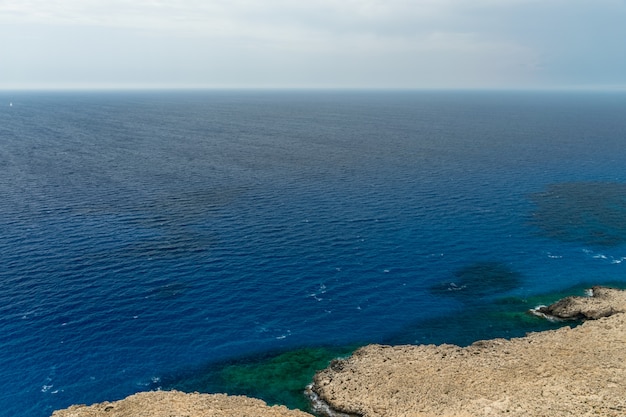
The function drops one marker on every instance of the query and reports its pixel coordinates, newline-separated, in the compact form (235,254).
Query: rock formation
(577,371)
(602,302)
(178,404)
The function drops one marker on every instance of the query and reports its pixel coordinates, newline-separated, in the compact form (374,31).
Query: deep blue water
(145,234)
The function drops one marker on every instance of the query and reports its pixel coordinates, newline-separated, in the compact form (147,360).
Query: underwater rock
(593,213)
(479,279)
(274,377)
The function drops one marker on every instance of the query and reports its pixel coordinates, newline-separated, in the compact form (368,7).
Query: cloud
(409,43)
(220,17)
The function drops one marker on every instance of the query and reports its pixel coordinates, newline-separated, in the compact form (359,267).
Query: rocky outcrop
(601,302)
(577,371)
(178,404)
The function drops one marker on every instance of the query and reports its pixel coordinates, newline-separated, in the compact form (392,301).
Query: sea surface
(209,240)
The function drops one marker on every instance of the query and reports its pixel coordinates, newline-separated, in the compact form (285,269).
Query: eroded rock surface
(602,302)
(577,371)
(178,404)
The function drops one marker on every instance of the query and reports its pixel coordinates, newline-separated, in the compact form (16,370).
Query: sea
(237,240)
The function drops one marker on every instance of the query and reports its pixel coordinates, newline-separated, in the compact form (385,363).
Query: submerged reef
(479,279)
(592,213)
(276,378)
(505,317)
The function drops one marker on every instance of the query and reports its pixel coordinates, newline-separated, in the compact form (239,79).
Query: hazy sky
(307,43)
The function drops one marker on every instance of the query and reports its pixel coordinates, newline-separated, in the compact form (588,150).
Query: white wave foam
(284,336)
(603,257)
(454,287)
(535,311)
(616,261)
(320,406)
(320,290)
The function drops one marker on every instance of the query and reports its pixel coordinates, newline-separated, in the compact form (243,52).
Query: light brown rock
(603,302)
(566,372)
(178,404)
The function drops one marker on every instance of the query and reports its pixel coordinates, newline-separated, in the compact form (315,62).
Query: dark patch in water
(198,203)
(505,317)
(480,279)
(167,291)
(278,378)
(593,213)
(171,243)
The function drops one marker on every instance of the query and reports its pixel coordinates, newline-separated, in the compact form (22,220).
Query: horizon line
(191,88)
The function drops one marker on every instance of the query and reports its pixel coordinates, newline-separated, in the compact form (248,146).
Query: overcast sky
(313,43)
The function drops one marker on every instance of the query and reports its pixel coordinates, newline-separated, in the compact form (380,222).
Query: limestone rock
(602,302)
(567,372)
(179,404)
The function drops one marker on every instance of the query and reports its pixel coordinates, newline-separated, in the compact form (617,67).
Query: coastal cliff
(578,371)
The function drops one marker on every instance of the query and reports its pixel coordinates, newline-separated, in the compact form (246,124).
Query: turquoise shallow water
(159,239)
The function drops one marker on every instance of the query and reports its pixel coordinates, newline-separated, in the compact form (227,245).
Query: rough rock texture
(566,372)
(178,404)
(603,302)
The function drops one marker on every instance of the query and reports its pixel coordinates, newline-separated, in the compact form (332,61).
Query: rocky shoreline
(179,404)
(578,371)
